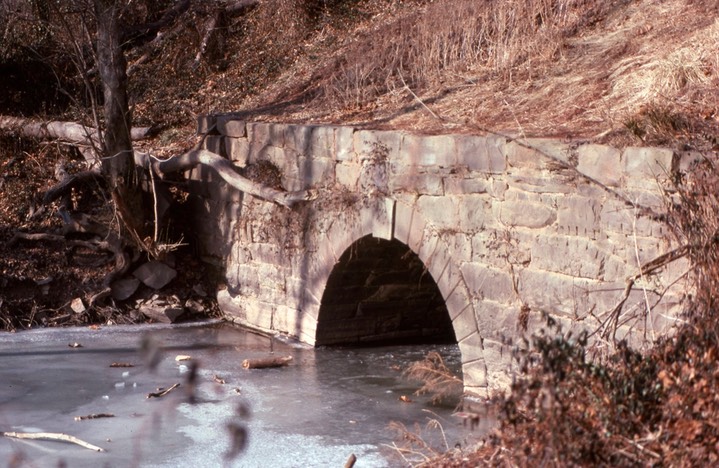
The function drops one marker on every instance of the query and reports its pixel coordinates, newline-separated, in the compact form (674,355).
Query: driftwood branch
(224,169)
(94,416)
(262,363)
(72,132)
(161,392)
(52,436)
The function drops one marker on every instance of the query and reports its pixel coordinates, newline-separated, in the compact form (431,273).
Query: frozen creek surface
(328,404)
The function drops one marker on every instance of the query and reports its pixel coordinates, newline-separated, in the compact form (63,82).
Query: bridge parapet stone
(378,143)
(601,162)
(482,154)
(429,151)
(344,145)
(228,125)
(647,168)
(538,153)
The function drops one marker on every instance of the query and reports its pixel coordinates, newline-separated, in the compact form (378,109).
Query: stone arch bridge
(458,238)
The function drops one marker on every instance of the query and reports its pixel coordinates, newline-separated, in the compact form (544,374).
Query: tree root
(226,170)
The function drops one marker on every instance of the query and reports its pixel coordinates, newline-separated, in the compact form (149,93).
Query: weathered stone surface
(266,134)
(229,126)
(535,182)
(498,321)
(378,144)
(495,225)
(155,274)
(473,209)
(600,162)
(315,171)
(442,212)
(536,153)
(238,150)
(344,145)
(77,305)
(463,185)
(526,214)
(647,168)
(160,310)
(124,288)
(205,124)
(579,216)
(569,255)
(483,154)
(347,175)
(559,293)
(472,348)
(498,362)
(423,184)
(436,151)
(490,283)
(215,143)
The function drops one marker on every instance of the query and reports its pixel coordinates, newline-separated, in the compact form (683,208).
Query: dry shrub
(452,41)
(437,379)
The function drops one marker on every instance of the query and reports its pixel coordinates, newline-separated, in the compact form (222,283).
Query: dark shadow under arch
(381,293)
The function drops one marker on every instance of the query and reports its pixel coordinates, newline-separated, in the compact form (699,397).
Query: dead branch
(65,186)
(611,323)
(52,436)
(161,392)
(72,132)
(138,32)
(94,416)
(211,26)
(224,169)
(351,461)
(263,363)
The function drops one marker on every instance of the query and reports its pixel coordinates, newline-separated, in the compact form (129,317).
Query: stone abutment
(437,238)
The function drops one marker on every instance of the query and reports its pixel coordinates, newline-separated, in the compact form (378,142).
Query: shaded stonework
(503,229)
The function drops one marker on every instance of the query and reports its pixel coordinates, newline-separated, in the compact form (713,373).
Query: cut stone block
(155,274)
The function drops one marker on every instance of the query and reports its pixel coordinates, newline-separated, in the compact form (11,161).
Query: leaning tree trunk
(118,164)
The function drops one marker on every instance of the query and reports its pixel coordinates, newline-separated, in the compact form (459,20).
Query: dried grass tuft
(437,379)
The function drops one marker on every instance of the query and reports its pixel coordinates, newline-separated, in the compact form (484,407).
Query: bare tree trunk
(118,164)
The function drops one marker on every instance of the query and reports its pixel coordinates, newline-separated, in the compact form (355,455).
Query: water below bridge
(328,404)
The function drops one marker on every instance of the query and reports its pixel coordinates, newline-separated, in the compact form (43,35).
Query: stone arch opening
(380,292)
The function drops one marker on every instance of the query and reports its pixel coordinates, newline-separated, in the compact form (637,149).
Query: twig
(419,100)
(94,416)
(648,319)
(351,461)
(52,436)
(162,392)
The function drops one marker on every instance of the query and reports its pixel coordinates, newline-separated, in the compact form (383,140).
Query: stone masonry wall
(507,229)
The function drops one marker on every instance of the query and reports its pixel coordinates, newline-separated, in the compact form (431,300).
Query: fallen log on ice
(262,363)
(52,436)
